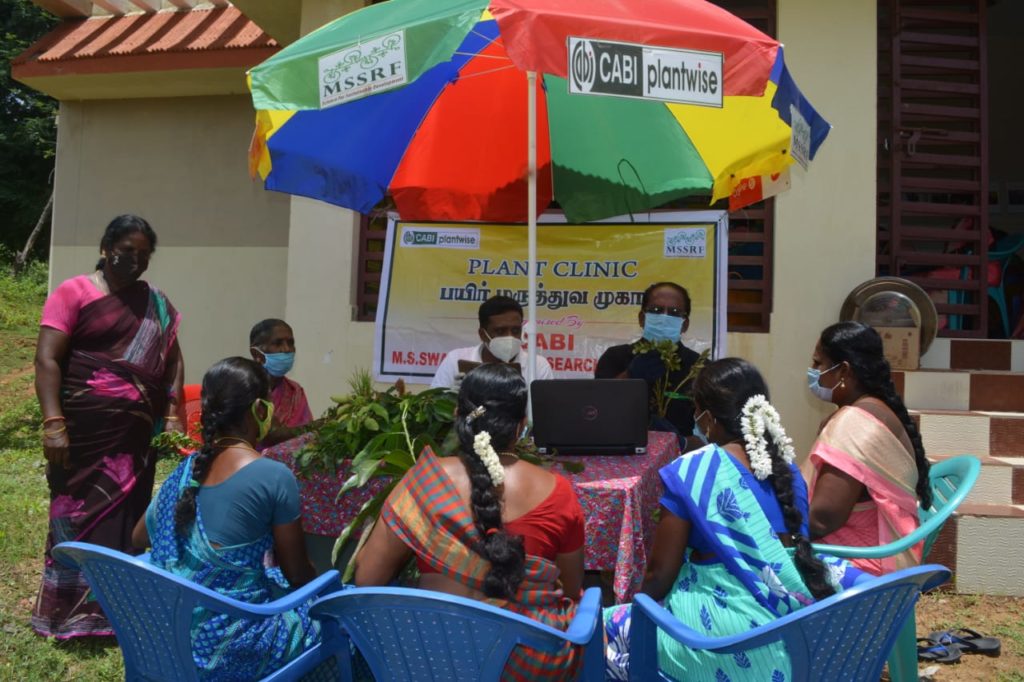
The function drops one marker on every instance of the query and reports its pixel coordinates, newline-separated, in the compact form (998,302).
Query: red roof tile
(147,36)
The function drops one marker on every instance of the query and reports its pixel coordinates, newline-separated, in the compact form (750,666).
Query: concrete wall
(180,163)
(825,224)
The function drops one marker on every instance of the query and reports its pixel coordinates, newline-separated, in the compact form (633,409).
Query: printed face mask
(659,327)
(505,348)
(264,424)
(697,431)
(278,364)
(813,379)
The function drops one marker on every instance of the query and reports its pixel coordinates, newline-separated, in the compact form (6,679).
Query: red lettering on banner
(396,357)
(573,364)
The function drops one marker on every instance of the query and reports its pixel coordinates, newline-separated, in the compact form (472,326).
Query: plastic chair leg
(903,657)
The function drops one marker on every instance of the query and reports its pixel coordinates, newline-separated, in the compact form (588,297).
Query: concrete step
(977,432)
(983,544)
(1001,481)
(965,390)
(998,354)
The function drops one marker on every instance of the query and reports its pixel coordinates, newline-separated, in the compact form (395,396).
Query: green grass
(24,504)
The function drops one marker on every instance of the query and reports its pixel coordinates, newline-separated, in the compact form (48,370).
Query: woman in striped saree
(486,525)
(729,512)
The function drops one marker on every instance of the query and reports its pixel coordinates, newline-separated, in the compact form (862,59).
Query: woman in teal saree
(731,513)
(223,519)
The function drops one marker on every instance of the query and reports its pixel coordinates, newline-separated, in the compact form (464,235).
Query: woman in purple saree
(108,376)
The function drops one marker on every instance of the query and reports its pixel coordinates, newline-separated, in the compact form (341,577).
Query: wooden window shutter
(751,233)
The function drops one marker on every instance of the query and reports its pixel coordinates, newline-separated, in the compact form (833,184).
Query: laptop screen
(590,416)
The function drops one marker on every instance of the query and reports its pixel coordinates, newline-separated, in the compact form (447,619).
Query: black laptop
(590,416)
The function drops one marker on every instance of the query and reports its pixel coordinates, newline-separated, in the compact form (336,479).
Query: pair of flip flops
(947,646)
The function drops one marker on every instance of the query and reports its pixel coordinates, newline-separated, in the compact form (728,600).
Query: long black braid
(722,388)
(501,391)
(861,347)
(229,389)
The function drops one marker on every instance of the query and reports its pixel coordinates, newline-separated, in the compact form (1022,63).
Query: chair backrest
(950,481)
(413,635)
(844,637)
(150,609)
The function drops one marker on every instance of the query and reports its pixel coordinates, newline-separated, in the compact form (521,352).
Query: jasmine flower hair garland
(760,418)
(483,449)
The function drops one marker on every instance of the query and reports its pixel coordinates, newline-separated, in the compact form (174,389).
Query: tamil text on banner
(590,282)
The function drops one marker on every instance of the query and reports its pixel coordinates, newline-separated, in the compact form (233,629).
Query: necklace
(238,441)
(512,455)
(101,282)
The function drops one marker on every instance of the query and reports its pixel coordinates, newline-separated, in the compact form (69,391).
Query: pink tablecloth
(618,494)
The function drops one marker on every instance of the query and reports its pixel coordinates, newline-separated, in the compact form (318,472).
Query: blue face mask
(813,383)
(278,364)
(697,431)
(659,327)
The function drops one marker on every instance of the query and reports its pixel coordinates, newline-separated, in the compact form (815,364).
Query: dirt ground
(1001,617)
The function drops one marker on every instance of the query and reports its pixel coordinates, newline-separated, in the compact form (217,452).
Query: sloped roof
(165,40)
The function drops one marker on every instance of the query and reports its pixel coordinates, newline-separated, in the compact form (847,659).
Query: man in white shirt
(501,336)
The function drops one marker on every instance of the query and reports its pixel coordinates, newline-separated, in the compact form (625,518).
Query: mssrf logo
(644,72)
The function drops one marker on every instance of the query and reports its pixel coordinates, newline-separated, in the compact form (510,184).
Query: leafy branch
(664,390)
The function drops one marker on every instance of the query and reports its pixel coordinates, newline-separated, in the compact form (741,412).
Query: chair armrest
(233,607)
(321,585)
(588,615)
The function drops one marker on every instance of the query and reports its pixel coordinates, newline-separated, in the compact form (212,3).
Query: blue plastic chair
(151,612)
(950,481)
(412,635)
(1003,254)
(844,637)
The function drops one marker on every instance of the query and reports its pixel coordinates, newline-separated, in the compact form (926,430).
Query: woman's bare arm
(835,493)
(381,557)
(670,540)
(51,348)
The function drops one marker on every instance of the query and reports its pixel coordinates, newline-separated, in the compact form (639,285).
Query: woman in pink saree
(870,469)
(272,344)
(108,378)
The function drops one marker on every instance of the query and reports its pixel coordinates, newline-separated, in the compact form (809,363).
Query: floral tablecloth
(618,494)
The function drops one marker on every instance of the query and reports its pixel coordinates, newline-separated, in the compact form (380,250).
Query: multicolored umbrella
(438,104)
(451,142)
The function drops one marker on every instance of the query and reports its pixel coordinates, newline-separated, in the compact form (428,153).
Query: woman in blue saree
(730,513)
(218,517)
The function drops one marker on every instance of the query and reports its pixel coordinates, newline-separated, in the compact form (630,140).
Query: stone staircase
(968,398)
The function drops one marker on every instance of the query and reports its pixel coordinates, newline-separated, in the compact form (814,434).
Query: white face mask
(505,348)
(813,379)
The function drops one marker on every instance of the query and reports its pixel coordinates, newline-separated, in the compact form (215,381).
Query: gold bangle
(171,418)
(53,419)
(53,434)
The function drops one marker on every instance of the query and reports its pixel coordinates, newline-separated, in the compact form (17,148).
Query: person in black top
(664,314)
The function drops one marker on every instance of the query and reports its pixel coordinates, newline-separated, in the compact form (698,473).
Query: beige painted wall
(321,256)
(222,255)
(825,225)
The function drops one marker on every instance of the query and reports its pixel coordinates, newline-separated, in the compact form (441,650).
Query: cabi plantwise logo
(645,72)
(363,69)
(685,242)
(450,238)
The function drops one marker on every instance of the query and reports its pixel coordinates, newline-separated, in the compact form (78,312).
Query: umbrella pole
(531,194)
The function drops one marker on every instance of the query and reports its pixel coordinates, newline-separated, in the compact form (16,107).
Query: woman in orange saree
(486,525)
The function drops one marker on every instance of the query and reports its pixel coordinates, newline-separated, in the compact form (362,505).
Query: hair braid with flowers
(491,405)
(736,395)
